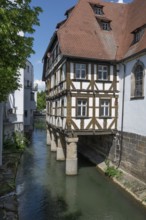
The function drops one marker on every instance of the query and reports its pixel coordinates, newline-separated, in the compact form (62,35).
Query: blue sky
(53,13)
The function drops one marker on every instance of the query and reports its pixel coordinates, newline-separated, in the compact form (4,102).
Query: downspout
(122,117)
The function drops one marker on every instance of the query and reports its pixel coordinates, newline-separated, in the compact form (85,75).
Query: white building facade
(18,110)
(29,96)
(132,115)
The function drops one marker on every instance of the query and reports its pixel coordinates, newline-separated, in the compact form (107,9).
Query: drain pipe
(122,117)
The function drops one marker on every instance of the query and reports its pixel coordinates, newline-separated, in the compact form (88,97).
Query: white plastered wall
(134,110)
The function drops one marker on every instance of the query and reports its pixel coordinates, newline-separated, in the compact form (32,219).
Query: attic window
(98,10)
(138,33)
(105,25)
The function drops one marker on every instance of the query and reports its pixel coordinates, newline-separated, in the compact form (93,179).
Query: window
(62,107)
(27,67)
(81,108)
(105,25)
(56,108)
(80,71)
(102,72)
(28,83)
(138,34)
(50,111)
(63,72)
(137,81)
(104,108)
(32,96)
(98,10)
(25,113)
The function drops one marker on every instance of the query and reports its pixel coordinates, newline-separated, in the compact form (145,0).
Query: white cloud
(41,84)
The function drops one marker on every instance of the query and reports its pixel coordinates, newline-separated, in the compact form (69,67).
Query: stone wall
(132,154)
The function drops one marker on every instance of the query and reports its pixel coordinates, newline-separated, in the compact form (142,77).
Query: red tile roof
(81,35)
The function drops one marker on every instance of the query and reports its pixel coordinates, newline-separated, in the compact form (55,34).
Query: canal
(46,193)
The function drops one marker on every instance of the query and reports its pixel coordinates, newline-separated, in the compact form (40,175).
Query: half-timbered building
(84,65)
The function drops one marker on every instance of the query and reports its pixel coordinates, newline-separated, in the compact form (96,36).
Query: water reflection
(46,193)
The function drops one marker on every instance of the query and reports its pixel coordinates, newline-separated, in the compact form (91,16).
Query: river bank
(8,198)
(129,183)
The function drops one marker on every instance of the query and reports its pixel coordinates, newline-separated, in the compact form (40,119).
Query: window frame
(108,73)
(63,72)
(105,25)
(138,33)
(25,113)
(82,106)
(98,10)
(75,74)
(50,108)
(137,85)
(62,108)
(105,106)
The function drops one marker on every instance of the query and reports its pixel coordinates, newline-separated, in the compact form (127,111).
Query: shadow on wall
(96,148)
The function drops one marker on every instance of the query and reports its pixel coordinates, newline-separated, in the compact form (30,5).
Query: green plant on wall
(16,142)
(112,171)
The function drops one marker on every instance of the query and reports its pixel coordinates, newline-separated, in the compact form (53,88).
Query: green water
(46,193)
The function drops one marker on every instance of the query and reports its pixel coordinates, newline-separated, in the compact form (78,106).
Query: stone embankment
(129,183)
(8,199)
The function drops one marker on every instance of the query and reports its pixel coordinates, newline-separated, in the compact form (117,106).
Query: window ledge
(103,81)
(105,117)
(82,117)
(80,80)
(137,98)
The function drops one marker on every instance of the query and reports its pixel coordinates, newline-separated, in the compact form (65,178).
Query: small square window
(98,10)
(105,26)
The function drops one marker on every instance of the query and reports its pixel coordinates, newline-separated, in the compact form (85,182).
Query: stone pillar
(48,137)
(60,151)
(71,156)
(53,142)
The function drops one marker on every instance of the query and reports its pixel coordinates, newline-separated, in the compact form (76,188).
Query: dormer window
(138,33)
(98,10)
(105,25)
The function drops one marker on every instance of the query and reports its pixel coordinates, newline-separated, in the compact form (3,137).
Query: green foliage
(16,17)
(40,124)
(17,142)
(144,200)
(41,100)
(111,171)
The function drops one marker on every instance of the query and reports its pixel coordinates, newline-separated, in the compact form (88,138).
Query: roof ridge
(69,16)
